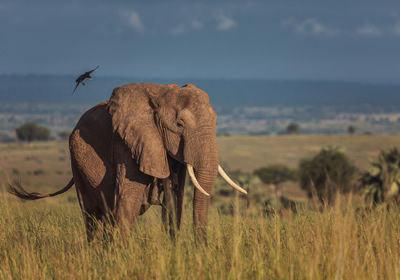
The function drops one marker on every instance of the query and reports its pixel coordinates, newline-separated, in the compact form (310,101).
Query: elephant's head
(160,120)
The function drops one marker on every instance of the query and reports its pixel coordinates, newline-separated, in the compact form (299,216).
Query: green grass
(46,239)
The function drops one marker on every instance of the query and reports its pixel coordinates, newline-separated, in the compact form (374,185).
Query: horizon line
(336,80)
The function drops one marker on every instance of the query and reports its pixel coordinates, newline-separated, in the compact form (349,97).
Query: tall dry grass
(47,241)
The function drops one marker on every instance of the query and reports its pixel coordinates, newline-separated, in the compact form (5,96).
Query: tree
(275,175)
(381,181)
(292,128)
(328,172)
(351,129)
(30,131)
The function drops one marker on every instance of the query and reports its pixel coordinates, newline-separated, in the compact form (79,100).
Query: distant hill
(58,89)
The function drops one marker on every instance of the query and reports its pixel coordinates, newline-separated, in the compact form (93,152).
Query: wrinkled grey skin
(129,150)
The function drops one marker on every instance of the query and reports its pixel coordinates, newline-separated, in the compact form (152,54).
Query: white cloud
(225,23)
(311,26)
(369,30)
(132,19)
(187,27)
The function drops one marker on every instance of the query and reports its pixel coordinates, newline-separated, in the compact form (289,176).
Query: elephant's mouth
(223,175)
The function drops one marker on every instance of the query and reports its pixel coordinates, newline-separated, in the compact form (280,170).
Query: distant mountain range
(58,89)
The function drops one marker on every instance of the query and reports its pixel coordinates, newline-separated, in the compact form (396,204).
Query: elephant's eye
(180,123)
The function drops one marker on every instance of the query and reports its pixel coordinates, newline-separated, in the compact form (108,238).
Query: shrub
(327,173)
(279,206)
(38,172)
(292,128)
(381,181)
(275,175)
(31,131)
(351,129)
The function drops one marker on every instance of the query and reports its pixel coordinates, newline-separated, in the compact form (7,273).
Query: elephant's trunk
(204,159)
(206,177)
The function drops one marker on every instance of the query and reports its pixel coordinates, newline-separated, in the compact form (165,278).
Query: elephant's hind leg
(92,205)
(94,226)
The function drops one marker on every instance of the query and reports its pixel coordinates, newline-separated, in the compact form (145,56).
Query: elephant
(134,150)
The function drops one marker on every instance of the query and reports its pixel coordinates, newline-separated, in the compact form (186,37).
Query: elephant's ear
(132,117)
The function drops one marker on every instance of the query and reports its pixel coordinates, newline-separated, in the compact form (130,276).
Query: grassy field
(46,165)
(46,240)
(251,152)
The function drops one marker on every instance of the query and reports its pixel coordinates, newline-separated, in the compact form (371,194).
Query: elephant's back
(96,117)
(91,144)
(95,126)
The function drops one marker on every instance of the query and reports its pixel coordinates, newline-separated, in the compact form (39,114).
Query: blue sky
(334,40)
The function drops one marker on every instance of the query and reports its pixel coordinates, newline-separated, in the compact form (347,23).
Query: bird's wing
(91,71)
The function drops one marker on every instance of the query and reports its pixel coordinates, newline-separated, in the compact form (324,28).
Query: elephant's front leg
(173,186)
(169,209)
(130,187)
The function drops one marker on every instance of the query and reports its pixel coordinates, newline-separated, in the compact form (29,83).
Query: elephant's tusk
(229,180)
(194,180)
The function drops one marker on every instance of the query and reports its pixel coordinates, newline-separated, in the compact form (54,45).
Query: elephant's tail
(17,190)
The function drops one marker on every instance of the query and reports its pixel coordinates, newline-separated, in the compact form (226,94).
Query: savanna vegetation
(31,131)
(327,173)
(348,239)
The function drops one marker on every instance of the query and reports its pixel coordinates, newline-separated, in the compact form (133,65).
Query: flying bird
(82,77)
